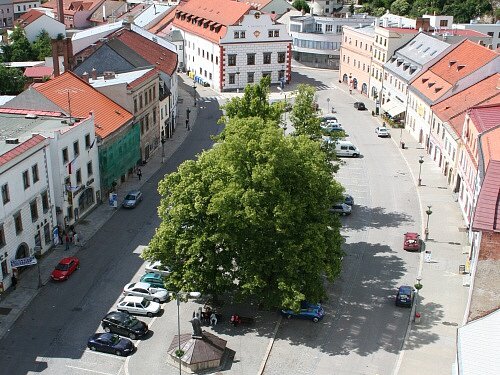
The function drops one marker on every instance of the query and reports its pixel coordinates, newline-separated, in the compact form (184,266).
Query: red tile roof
(71,7)
(109,116)
(464,59)
(217,14)
(259,4)
(23,147)
(162,58)
(38,71)
(143,78)
(28,17)
(460,32)
(163,23)
(487,213)
(455,106)
(486,116)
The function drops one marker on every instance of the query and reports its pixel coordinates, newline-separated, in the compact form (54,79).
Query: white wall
(53,27)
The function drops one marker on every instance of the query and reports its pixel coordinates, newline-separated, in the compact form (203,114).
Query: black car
(124,324)
(404,297)
(348,199)
(110,343)
(360,106)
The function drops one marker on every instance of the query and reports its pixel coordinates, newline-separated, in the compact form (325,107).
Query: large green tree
(251,217)
(12,81)
(301,5)
(42,46)
(303,116)
(20,46)
(400,7)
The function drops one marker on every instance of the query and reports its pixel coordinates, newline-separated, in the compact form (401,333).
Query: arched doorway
(374,93)
(364,88)
(344,78)
(23,251)
(354,83)
(85,201)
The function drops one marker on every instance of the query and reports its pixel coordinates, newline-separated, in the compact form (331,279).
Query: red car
(412,242)
(65,268)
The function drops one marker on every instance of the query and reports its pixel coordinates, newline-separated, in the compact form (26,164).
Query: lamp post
(429,213)
(238,76)
(163,148)
(350,83)
(327,105)
(418,286)
(179,353)
(421,161)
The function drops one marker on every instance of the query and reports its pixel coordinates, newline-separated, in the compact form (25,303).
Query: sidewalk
(430,347)
(13,302)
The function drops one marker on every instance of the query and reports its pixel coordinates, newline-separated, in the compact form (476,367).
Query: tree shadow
(364,217)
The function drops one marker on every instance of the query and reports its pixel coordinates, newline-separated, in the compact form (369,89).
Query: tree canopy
(303,116)
(12,81)
(20,49)
(301,5)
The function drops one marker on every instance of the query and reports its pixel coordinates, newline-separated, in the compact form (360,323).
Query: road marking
(86,369)
(105,354)
(127,360)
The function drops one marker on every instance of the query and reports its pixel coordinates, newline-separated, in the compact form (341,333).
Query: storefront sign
(23,262)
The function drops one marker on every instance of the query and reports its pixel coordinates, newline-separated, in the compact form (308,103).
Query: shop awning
(393,107)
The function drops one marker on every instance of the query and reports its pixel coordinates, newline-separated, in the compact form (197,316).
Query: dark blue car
(307,310)
(405,296)
(110,343)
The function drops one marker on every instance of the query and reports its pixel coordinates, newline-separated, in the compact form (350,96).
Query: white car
(146,291)
(382,131)
(138,305)
(158,267)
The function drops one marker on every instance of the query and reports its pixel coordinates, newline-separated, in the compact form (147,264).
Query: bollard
(417,318)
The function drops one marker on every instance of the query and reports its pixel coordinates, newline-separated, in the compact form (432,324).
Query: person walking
(76,239)
(213,319)
(67,241)
(139,173)
(14,281)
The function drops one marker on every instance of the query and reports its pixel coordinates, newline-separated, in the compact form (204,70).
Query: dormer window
(424,80)
(437,89)
(236,35)
(460,67)
(451,63)
(430,84)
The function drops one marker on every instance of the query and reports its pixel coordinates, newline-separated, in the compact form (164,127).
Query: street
(363,330)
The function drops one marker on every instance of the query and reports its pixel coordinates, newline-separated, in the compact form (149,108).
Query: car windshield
(145,303)
(62,267)
(114,339)
(131,321)
(130,197)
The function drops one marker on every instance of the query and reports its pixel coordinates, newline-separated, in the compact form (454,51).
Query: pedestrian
(75,239)
(213,319)
(139,173)
(187,123)
(67,241)
(60,234)
(14,281)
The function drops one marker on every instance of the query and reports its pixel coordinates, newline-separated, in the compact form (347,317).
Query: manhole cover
(5,310)
(77,309)
(450,324)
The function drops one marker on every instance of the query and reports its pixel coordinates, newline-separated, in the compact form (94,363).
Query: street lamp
(418,286)
(179,353)
(421,161)
(163,148)
(428,212)
(238,75)
(327,105)
(350,83)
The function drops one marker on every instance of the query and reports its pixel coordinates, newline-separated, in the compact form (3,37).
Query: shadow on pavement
(364,217)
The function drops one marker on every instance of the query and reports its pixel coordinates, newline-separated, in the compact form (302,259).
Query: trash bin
(417,317)
(403,145)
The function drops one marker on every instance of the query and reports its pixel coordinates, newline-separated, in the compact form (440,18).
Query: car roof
(405,288)
(117,314)
(152,274)
(134,192)
(411,235)
(132,299)
(66,260)
(140,285)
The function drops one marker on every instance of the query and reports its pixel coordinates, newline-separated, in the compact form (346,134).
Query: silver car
(341,208)
(158,267)
(132,199)
(146,291)
(138,305)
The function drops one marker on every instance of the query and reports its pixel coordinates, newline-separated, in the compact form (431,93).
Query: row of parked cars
(140,298)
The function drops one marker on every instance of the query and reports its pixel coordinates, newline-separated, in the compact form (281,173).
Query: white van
(346,148)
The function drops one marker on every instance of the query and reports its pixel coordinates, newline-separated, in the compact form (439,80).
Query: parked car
(327,118)
(158,267)
(341,208)
(382,132)
(110,343)
(349,200)
(155,279)
(65,268)
(147,291)
(360,106)
(132,199)
(411,241)
(138,305)
(346,148)
(331,127)
(405,295)
(314,312)
(124,324)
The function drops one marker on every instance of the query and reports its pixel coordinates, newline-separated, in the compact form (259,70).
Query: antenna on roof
(69,109)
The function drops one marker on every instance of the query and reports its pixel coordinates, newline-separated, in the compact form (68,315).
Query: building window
(250,58)
(26,180)
(250,77)
(4,267)
(78,176)
(5,194)
(329,28)
(34,173)
(18,222)
(135,105)
(281,57)
(236,35)
(266,74)
(65,155)
(34,211)
(89,169)
(267,57)
(231,60)
(2,237)
(339,30)
(242,35)
(140,101)
(87,141)
(216,60)
(232,78)
(210,76)
(45,201)
(319,28)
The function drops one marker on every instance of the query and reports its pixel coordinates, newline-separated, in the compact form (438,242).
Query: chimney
(60,11)
(85,77)
(109,75)
(104,12)
(94,74)
(68,54)
(55,56)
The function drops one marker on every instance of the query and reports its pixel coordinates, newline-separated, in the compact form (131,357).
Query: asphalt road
(363,331)
(51,335)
